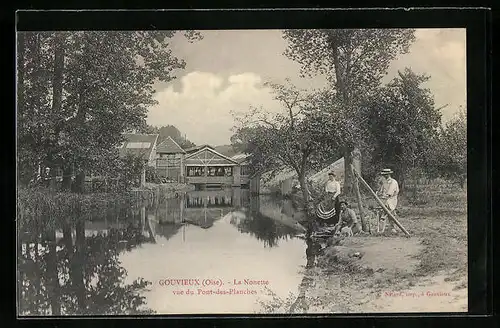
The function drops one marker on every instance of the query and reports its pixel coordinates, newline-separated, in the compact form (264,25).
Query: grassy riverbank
(393,273)
(40,209)
(167,189)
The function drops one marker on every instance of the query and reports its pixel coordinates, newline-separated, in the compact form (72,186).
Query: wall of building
(236,176)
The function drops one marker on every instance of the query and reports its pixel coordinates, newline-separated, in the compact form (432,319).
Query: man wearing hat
(389,195)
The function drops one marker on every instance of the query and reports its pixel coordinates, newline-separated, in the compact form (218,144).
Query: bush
(151,175)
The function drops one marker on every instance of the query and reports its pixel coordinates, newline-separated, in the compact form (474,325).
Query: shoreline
(383,273)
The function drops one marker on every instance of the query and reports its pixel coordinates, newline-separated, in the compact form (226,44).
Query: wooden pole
(391,216)
(358,199)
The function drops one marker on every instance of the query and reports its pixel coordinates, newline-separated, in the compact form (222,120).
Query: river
(202,252)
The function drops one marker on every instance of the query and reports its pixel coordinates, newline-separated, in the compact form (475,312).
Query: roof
(240,158)
(317,178)
(169,146)
(200,158)
(196,148)
(138,144)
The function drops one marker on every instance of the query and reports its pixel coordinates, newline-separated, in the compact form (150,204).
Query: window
(141,145)
(195,171)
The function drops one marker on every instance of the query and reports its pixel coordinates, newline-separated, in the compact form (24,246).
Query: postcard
(241,172)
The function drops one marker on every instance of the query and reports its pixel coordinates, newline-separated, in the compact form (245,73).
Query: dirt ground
(384,277)
(426,272)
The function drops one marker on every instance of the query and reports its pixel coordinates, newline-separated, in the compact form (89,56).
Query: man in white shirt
(389,195)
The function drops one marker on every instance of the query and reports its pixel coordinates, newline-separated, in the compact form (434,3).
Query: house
(208,167)
(143,146)
(248,178)
(170,160)
(197,148)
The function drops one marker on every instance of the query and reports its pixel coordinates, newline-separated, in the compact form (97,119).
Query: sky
(225,72)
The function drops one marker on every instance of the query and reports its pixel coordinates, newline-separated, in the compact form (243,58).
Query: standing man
(332,189)
(389,195)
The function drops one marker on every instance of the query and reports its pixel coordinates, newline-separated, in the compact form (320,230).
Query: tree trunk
(356,165)
(53,275)
(348,178)
(68,240)
(307,209)
(304,188)
(53,174)
(78,266)
(58,78)
(402,182)
(38,275)
(66,181)
(79,184)
(351,157)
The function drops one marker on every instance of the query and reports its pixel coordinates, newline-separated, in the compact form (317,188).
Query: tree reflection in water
(312,251)
(263,227)
(80,276)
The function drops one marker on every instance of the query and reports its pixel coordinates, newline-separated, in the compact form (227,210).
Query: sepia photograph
(235,172)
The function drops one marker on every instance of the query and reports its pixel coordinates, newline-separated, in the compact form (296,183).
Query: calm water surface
(179,256)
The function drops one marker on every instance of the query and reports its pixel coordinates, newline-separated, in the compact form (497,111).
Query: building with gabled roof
(170,160)
(141,145)
(247,175)
(208,167)
(194,149)
(169,146)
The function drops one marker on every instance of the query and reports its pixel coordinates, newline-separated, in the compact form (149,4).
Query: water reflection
(312,251)
(78,275)
(110,264)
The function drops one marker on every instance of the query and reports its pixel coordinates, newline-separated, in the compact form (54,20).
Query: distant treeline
(169,131)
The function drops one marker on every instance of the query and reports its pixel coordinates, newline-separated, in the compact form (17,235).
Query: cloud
(202,107)
(225,71)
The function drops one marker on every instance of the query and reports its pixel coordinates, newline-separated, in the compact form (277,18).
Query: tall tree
(81,90)
(294,138)
(449,158)
(403,121)
(354,61)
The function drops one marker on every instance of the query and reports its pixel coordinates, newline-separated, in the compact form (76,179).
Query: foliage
(295,138)
(72,87)
(102,288)
(449,157)
(402,124)
(354,61)
(265,229)
(127,170)
(359,57)
(168,131)
(39,209)
(151,175)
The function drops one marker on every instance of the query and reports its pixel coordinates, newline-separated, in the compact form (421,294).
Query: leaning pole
(386,210)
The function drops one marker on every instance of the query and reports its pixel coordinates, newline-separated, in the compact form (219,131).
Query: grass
(438,216)
(442,224)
